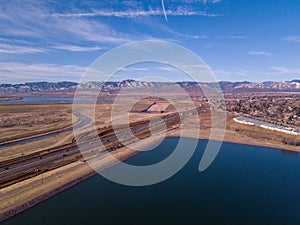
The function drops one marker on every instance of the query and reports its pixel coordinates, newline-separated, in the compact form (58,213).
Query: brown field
(22,121)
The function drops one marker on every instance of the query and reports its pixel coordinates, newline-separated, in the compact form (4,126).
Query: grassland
(21,121)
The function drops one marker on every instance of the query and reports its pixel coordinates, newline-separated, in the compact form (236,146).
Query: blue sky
(255,40)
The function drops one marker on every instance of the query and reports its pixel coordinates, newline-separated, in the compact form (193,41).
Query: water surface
(244,185)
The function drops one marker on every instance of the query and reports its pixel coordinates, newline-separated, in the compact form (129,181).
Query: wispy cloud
(21,72)
(133,13)
(279,70)
(133,69)
(273,73)
(15,49)
(260,53)
(197,1)
(25,47)
(16,21)
(292,38)
(279,73)
(76,48)
(233,73)
(191,36)
(232,37)
(45,26)
(184,35)
(50,24)
(167,68)
(93,31)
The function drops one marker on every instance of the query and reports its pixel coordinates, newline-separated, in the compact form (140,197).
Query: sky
(253,40)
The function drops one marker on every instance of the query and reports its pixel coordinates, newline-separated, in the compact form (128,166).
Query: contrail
(163,6)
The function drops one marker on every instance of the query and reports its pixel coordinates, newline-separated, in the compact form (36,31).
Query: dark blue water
(244,185)
(33,100)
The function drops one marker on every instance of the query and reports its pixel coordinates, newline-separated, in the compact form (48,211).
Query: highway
(37,163)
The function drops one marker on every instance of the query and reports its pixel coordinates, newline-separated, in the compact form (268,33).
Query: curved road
(38,161)
(85,121)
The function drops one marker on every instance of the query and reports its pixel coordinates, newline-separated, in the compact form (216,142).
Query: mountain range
(111,87)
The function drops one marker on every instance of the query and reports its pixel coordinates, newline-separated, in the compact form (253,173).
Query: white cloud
(260,53)
(15,49)
(232,37)
(76,48)
(184,35)
(132,69)
(278,70)
(292,38)
(15,20)
(21,72)
(49,24)
(93,31)
(274,73)
(279,73)
(180,11)
(193,36)
(167,68)
(197,1)
(235,73)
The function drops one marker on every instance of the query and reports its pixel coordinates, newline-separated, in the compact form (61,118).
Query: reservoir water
(244,185)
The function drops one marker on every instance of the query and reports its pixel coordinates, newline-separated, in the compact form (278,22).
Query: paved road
(38,161)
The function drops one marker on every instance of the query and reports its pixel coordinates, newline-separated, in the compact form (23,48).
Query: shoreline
(13,211)
(84,171)
(69,181)
(257,144)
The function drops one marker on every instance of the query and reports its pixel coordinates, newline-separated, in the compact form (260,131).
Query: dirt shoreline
(240,139)
(83,173)
(39,199)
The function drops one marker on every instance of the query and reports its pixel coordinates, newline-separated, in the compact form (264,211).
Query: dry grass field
(23,121)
